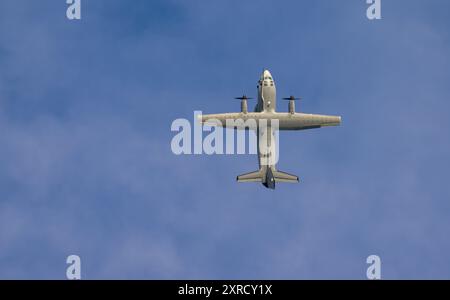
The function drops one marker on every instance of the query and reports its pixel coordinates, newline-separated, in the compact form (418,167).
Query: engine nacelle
(292,106)
(243,99)
(244,108)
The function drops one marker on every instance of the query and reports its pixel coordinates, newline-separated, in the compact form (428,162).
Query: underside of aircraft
(265,113)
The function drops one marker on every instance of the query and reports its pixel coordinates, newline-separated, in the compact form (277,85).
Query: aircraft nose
(266,73)
(266,76)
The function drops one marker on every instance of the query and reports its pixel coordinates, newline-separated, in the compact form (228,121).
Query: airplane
(265,109)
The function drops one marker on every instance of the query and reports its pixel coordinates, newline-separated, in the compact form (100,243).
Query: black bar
(213,289)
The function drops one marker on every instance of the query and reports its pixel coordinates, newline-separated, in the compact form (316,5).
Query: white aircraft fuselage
(267,100)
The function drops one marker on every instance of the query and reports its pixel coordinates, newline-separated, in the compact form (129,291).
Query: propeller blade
(292,98)
(243,98)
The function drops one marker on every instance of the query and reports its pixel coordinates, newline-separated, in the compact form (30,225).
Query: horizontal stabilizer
(284,177)
(266,177)
(256,176)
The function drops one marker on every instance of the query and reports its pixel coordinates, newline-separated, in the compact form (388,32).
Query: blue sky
(85,160)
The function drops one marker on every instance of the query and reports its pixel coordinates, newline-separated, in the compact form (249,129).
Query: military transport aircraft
(267,174)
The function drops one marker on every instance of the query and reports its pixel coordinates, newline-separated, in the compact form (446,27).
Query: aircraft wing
(301,121)
(286,121)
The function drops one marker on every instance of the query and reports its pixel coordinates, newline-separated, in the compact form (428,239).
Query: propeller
(292,98)
(292,103)
(243,103)
(243,98)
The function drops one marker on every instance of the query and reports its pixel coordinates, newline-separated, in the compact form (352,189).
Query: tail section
(268,177)
(269,181)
